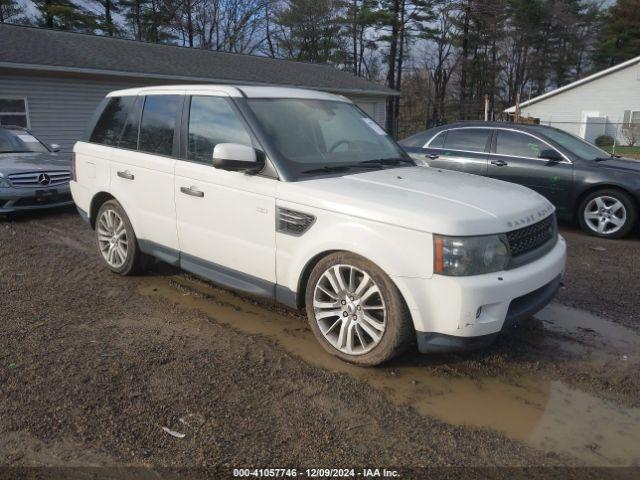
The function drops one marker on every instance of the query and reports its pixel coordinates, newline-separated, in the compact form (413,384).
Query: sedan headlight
(461,256)
(4,183)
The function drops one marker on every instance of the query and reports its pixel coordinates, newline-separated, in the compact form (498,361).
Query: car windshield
(19,141)
(575,145)
(320,135)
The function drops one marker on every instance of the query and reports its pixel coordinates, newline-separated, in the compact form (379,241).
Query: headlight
(4,183)
(461,256)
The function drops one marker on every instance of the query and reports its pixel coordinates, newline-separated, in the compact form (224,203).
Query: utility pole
(486,107)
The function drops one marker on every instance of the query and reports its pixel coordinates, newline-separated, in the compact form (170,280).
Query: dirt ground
(93,366)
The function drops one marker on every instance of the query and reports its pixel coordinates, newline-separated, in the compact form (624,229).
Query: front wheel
(355,311)
(117,241)
(607,213)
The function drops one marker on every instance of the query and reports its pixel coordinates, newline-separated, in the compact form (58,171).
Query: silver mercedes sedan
(32,174)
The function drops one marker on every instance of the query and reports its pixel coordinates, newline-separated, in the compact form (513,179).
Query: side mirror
(237,158)
(550,154)
(54,147)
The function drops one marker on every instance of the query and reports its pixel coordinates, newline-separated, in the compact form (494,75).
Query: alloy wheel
(605,215)
(112,238)
(349,309)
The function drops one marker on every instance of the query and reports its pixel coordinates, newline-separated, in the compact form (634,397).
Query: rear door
(514,158)
(462,149)
(142,172)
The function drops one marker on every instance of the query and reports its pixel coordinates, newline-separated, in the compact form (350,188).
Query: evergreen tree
(11,11)
(619,39)
(65,15)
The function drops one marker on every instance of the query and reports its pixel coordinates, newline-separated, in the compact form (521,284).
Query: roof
(577,83)
(53,50)
(250,91)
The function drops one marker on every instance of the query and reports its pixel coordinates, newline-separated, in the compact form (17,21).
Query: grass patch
(632,152)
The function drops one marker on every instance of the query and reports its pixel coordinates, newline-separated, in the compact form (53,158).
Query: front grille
(293,222)
(42,200)
(527,239)
(49,178)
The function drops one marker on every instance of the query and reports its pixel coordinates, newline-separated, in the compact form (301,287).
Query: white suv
(299,196)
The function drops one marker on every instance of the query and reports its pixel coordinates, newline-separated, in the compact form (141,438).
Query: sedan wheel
(349,309)
(112,238)
(607,213)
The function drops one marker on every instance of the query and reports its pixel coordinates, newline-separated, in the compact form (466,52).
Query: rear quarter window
(109,126)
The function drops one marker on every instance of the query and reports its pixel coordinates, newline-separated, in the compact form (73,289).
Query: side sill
(83,215)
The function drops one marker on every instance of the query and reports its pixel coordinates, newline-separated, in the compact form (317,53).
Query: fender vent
(292,222)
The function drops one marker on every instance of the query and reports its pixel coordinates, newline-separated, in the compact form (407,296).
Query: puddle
(545,414)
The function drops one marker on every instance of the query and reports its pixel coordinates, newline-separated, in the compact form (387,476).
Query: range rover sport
(299,196)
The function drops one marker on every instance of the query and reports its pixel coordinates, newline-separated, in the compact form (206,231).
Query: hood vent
(292,222)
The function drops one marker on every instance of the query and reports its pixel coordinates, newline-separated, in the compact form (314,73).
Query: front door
(514,158)
(226,220)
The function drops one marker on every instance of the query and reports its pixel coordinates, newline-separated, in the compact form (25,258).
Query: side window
(110,124)
(518,144)
(158,124)
(129,138)
(212,121)
(437,141)
(469,139)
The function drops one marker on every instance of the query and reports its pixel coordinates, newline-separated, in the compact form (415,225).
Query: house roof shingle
(43,49)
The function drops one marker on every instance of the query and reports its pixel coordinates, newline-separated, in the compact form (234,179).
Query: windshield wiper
(602,159)
(328,169)
(388,161)
(14,151)
(339,168)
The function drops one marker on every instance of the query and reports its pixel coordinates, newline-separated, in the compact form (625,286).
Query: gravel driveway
(93,366)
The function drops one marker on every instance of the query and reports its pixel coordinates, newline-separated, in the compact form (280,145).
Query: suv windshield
(575,145)
(320,135)
(19,141)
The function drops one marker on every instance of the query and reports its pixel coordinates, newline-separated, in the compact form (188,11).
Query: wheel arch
(309,266)
(601,186)
(96,202)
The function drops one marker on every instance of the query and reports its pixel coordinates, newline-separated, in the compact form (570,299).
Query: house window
(635,116)
(13,111)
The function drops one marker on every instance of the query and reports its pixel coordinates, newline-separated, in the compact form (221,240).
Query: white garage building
(595,105)
(52,81)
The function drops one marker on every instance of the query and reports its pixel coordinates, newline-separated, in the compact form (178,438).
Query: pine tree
(65,15)
(619,39)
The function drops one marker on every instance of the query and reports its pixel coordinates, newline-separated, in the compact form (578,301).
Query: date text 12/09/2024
(315,472)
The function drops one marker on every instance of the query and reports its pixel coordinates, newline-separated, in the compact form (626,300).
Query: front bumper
(452,313)
(24,199)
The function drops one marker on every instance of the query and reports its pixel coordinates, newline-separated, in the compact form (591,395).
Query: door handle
(127,175)
(432,156)
(194,192)
(499,163)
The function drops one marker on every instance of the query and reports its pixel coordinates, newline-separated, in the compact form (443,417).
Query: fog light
(478,312)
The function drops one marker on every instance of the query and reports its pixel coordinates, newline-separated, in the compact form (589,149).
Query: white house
(599,104)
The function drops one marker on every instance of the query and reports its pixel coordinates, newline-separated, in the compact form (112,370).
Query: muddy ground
(93,366)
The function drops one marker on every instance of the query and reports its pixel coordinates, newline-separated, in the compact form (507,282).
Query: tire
(607,213)
(377,319)
(126,257)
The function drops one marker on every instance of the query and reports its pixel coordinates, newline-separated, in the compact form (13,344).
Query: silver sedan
(32,174)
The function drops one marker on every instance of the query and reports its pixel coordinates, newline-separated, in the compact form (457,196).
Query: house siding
(610,96)
(60,107)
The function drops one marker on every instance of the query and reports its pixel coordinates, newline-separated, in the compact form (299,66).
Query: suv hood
(425,199)
(32,162)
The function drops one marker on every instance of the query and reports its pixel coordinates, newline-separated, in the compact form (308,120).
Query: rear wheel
(355,310)
(607,213)
(117,241)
